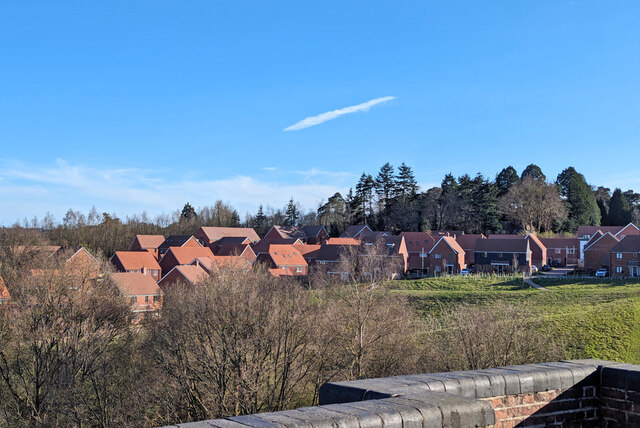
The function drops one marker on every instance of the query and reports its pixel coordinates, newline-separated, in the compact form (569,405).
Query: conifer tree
(620,213)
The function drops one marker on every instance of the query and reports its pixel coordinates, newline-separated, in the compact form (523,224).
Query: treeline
(391,200)
(240,343)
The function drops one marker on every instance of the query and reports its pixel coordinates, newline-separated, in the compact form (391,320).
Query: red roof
(343,241)
(185,255)
(136,284)
(630,244)
(553,243)
(149,241)
(468,242)
(286,255)
(591,230)
(192,273)
(136,260)
(216,233)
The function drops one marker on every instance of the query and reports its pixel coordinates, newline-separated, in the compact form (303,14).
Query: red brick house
(176,256)
(624,257)
(396,246)
(538,250)
(143,292)
(178,241)
(563,251)
(137,261)
(5,297)
(596,254)
(418,246)
(209,235)
(285,258)
(502,256)
(316,235)
(229,242)
(468,244)
(148,243)
(262,247)
(187,274)
(446,257)
(83,264)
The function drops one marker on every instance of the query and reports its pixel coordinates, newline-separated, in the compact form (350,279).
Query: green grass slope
(595,318)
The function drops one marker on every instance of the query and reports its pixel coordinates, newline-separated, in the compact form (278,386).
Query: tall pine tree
(620,213)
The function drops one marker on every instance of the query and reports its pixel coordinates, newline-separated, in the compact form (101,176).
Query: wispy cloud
(29,190)
(330,115)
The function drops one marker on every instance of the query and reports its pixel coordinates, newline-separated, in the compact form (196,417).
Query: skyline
(145,107)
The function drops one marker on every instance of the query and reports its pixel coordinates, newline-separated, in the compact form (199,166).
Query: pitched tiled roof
(150,241)
(597,235)
(502,245)
(312,231)
(233,240)
(343,241)
(453,244)
(286,255)
(354,231)
(185,255)
(552,243)
(233,249)
(264,244)
(591,230)
(607,239)
(440,233)
(192,273)
(136,284)
(630,244)
(134,260)
(331,253)
(175,241)
(468,242)
(216,233)
(291,232)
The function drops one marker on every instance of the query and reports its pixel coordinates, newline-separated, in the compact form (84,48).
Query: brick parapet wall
(620,395)
(577,393)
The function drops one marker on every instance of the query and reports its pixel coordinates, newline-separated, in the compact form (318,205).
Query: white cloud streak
(330,115)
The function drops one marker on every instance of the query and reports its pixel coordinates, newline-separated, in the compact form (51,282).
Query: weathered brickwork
(620,396)
(576,393)
(571,407)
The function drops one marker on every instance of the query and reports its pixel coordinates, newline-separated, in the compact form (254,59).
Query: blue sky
(132,106)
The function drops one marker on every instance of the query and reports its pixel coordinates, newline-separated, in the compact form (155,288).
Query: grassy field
(597,318)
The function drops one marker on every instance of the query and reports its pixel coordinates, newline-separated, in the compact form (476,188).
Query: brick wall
(555,408)
(576,393)
(620,396)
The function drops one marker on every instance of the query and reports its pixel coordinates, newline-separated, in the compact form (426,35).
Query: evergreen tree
(406,183)
(603,197)
(620,213)
(385,185)
(364,198)
(505,179)
(334,214)
(292,213)
(582,206)
(260,221)
(534,172)
(188,212)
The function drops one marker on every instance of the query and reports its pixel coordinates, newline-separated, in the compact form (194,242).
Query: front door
(449,269)
(634,271)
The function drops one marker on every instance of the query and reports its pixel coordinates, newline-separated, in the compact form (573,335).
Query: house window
(299,269)
(437,256)
(571,250)
(146,299)
(156,298)
(558,250)
(134,299)
(618,269)
(618,255)
(500,255)
(450,256)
